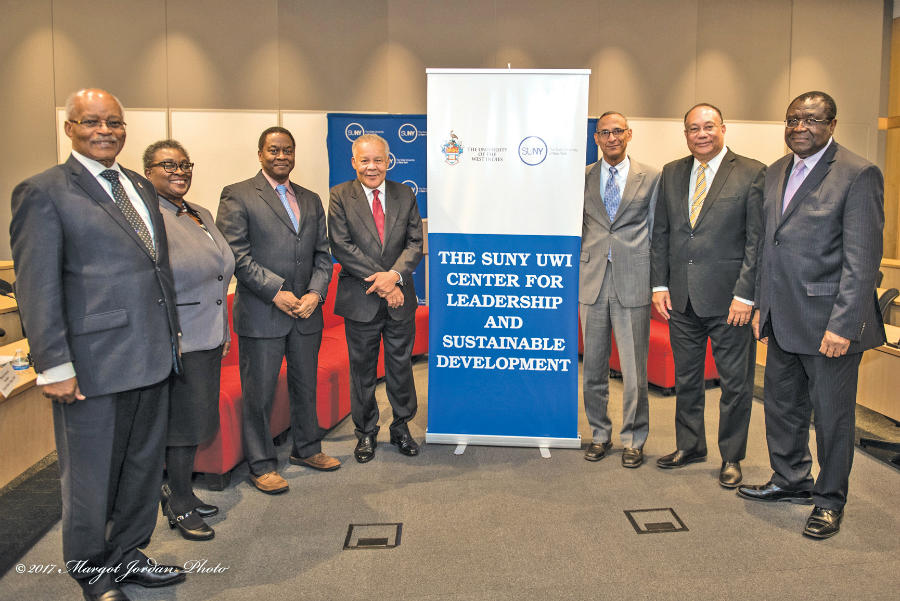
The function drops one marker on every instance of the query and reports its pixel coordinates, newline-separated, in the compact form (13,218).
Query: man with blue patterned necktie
(277,232)
(614,287)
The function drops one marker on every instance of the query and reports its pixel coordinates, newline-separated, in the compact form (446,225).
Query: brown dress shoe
(632,457)
(319,461)
(270,483)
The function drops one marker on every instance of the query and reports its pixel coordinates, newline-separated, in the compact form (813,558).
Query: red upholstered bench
(220,455)
(660,362)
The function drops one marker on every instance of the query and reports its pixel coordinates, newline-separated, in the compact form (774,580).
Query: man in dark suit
(376,236)
(819,259)
(703,273)
(277,232)
(614,287)
(96,296)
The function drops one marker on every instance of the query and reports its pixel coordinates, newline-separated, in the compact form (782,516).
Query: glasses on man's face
(96,123)
(808,122)
(172,166)
(707,129)
(606,133)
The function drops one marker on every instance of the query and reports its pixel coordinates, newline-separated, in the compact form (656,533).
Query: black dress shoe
(405,444)
(597,451)
(680,459)
(632,457)
(772,492)
(113,594)
(190,525)
(823,523)
(730,474)
(365,449)
(155,575)
(204,510)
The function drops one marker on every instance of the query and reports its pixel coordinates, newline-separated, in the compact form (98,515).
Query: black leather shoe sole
(669,465)
(783,496)
(410,450)
(154,580)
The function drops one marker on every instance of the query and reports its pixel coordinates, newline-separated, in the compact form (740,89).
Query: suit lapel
(303,204)
(391,208)
(725,169)
(594,200)
(811,182)
(632,185)
(683,186)
(360,205)
(88,183)
(268,195)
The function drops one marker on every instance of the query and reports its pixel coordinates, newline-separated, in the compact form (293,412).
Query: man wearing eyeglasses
(282,264)
(614,287)
(97,300)
(820,253)
(703,273)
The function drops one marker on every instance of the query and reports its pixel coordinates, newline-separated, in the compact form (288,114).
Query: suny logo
(407,133)
(353,131)
(532,150)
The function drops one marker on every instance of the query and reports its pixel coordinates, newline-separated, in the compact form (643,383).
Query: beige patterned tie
(699,194)
(131,214)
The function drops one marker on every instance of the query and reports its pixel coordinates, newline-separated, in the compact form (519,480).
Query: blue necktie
(611,196)
(282,194)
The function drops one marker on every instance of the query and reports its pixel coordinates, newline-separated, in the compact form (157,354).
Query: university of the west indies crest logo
(452,149)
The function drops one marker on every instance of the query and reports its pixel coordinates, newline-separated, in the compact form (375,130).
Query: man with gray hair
(376,236)
(97,299)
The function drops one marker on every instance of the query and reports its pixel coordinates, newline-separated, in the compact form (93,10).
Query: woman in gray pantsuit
(202,264)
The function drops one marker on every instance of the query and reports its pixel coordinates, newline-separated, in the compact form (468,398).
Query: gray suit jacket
(270,256)
(819,261)
(628,236)
(202,269)
(355,245)
(715,260)
(89,292)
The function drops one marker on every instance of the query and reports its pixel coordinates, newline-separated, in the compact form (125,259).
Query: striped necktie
(699,194)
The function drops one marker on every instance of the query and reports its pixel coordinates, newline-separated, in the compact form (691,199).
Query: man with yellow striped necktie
(703,276)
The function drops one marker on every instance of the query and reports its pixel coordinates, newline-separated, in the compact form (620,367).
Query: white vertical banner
(506,188)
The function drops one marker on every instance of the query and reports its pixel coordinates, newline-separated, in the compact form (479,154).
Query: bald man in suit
(614,287)
(820,255)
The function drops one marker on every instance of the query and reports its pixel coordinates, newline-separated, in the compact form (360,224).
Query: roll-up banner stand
(506,154)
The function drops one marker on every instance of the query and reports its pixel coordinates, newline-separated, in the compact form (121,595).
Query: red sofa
(660,362)
(220,455)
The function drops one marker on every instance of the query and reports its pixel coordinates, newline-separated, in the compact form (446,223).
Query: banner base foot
(542,442)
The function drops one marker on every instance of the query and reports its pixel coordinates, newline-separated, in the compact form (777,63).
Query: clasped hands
(384,284)
(301,307)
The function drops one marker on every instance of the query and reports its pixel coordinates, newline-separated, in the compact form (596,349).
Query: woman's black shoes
(190,525)
(204,510)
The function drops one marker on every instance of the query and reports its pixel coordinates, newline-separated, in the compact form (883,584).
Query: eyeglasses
(172,166)
(807,122)
(707,129)
(605,133)
(95,123)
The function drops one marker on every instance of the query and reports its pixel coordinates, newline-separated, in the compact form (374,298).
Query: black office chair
(884,305)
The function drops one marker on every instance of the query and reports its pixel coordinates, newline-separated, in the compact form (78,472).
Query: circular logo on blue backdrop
(532,150)
(353,131)
(412,185)
(407,133)
(392,160)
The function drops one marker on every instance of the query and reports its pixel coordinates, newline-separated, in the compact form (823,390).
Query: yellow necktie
(699,194)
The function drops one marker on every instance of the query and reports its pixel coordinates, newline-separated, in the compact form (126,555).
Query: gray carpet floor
(504,523)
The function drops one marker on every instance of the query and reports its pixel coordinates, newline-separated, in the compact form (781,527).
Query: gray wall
(650,58)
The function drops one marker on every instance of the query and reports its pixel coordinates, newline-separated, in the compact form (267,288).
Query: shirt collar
(368,190)
(713,163)
(812,160)
(621,168)
(94,167)
(275,184)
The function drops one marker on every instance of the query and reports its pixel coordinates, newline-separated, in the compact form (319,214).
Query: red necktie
(378,214)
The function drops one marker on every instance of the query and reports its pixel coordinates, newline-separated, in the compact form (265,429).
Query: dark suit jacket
(88,290)
(628,236)
(715,260)
(355,245)
(819,261)
(270,256)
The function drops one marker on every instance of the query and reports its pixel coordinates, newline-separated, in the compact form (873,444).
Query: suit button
(299,261)
(776,243)
(221,278)
(160,301)
(692,236)
(219,302)
(691,262)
